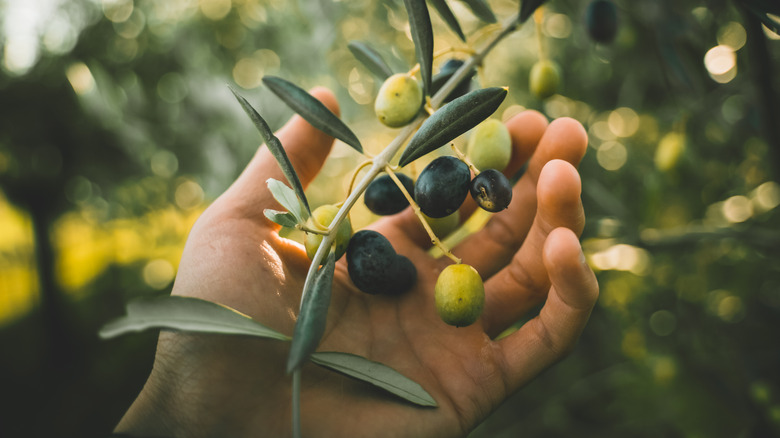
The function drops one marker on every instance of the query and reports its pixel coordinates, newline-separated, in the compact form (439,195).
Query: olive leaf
(767,11)
(452,120)
(186,314)
(312,110)
(370,58)
(288,199)
(283,218)
(422,34)
(375,373)
(446,14)
(527,8)
(275,147)
(310,325)
(482,10)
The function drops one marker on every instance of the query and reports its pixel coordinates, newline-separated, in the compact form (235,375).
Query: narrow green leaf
(482,10)
(375,373)
(314,311)
(287,197)
(452,120)
(766,11)
(446,14)
(312,110)
(527,8)
(283,218)
(422,34)
(371,59)
(186,314)
(275,146)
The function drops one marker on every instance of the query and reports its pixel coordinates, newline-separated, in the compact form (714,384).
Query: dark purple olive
(492,190)
(374,266)
(383,197)
(601,21)
(442,186)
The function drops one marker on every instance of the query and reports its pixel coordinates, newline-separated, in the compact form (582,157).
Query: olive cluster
(439,191)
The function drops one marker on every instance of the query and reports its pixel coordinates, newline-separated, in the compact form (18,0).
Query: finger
(553,333)
(306,147)
(524,282)
(493,247)
(525,130)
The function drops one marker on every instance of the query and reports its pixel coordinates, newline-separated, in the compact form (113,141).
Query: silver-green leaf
(452,120)
(446,14)
(283,218)
(312,110)
(375,373)
(371,59)
(287,197)
(275,147)
(482,10)
(186,314)
(422,34)
(310,325)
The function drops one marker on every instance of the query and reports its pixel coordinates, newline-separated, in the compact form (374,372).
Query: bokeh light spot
(158,273)
(766,196)
(557,26)
(80,78)
(248,73)
(663,322)
(164,163)
(721,63)
(188,195)
(737,209)
(118,10)
(215,9)
(612,155)
(732,35)
(172,88)
(623,122)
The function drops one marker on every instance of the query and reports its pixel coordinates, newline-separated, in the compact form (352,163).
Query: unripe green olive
(490,145)
(325,215)
(545,79)
(670,149)
(459,295)
(443,226)
(398,101)
(491,190)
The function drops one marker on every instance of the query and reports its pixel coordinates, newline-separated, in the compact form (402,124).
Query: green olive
(459,295)
(670,149)
(490,145)
(545,79)
(325,215)
(398,101)
(443,226)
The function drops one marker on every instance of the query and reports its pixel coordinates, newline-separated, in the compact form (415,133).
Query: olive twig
(416,208)
(462,157)
(414,70)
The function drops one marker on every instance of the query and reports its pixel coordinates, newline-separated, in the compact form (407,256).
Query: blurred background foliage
(117,129)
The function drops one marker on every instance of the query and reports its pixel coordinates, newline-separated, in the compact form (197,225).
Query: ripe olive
(324,215)
(398,101)
(443,226)
(545,79)
(442,186)
(445,73)
(459,295)
(601,21)
(374,266)
(490,145)
(383,197)
(492,190)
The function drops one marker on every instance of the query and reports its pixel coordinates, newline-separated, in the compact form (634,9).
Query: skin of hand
(216,385)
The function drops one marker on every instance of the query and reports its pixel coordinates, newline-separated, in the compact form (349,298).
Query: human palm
(205,385)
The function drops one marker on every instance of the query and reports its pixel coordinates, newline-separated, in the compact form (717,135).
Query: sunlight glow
(721,63)
(80,78)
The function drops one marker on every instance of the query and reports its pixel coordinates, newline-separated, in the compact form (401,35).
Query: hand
(213,385)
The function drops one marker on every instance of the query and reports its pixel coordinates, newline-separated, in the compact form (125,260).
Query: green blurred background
(117,129)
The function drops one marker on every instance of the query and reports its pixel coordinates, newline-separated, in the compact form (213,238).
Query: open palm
(208,385)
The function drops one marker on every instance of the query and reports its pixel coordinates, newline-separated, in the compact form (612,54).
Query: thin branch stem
(416,208)
(462,157)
